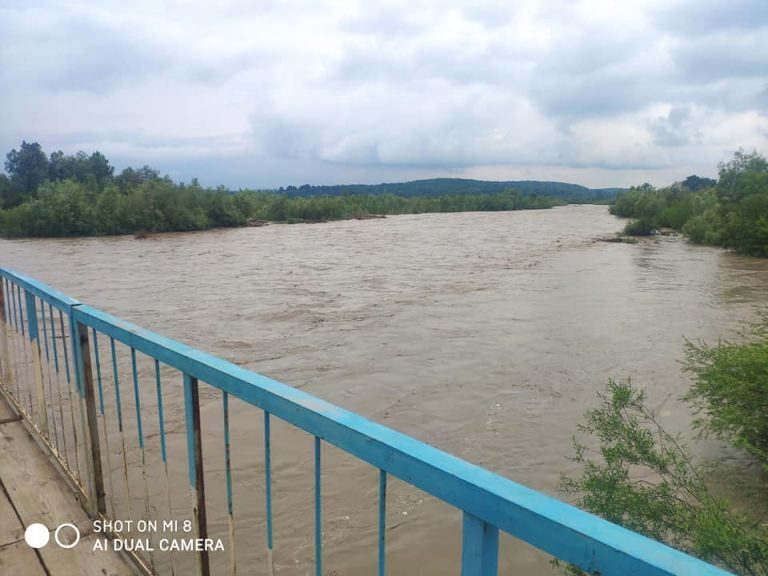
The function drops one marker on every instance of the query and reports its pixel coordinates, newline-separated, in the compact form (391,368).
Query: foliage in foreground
(730,391)
(643,478)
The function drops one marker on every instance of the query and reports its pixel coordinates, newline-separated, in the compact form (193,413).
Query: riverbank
(731,212)
(64,209)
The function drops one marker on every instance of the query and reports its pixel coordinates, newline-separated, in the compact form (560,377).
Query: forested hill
(456,186)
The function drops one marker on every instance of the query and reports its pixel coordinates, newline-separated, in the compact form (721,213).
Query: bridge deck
(32,491)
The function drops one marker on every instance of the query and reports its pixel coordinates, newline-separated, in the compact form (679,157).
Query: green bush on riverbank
(638,475)
(68,209)
(731,212)
(80,196)
(730,390)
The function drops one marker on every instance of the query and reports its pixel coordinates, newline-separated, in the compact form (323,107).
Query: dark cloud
(493,64)
(134,139)
(722,56)
(674,129)
(74,52)
(572,97)
(219,70)
(694,18)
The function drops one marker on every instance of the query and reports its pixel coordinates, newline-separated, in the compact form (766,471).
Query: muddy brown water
(485,334)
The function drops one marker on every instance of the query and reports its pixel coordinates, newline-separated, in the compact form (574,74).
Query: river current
(485,334)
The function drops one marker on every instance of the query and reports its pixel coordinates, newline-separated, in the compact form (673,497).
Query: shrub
(730,391)
(641,227)
(704,228)
(643,478)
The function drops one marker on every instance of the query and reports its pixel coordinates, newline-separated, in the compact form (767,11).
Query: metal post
(318,511)
(195,461)
(97,500)
(37,363)
(228,471)
(5,359)
(382,522)
(79,365)
(480,548)
(268,489)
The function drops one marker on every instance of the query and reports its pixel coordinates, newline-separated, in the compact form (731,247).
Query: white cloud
(597,89)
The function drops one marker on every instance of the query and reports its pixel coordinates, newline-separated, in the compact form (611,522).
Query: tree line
(731,212)
(572,193)
(80,195)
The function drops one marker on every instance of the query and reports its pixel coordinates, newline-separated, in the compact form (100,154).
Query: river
(485,334)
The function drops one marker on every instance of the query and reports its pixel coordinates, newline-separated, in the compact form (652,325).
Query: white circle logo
(65,544)
(36,535)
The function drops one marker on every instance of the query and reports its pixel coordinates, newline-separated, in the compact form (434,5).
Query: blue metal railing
(489,503)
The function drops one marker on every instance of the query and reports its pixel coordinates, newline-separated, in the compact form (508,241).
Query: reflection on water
(485,334)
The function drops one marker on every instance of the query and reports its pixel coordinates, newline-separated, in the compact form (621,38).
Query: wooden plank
(20,560)
(6,412)
(37,490)
(196,474)
(40,494)
(83,560)
(11,530)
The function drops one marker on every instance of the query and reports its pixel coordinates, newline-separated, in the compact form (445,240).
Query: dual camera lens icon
(66,535)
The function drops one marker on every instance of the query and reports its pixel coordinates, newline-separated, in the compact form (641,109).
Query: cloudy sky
(262,94)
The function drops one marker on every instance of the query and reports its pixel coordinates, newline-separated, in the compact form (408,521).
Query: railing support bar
(268,489)
(5,359)
(37,363)
(82,370)
(480,548)
(382,522)
(318,511)
(98,502)
(195,461)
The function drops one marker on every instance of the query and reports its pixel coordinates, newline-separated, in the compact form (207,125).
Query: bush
(732,212)
(639,227)
(704,228)
(674,506)
(730,391)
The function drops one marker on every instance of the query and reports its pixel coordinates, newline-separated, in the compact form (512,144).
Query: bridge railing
(38,371)
(63,365)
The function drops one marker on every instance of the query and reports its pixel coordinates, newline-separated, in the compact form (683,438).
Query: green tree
(95,170)
(7,193)
(694,183)
(704,225)
(131,178)
(743,196)
(100,170)
(27,167)
(734,184)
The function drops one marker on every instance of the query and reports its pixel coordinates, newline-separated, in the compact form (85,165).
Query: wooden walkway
(32,491)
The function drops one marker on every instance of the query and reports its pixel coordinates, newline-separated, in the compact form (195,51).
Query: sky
(262,94)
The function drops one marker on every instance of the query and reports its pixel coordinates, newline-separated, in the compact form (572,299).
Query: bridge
(84,398)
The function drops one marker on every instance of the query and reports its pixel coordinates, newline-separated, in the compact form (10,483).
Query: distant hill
(454,186)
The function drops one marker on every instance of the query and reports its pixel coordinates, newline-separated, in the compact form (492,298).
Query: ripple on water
(485,334)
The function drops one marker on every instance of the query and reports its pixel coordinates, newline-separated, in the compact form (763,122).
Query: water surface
(485,334)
